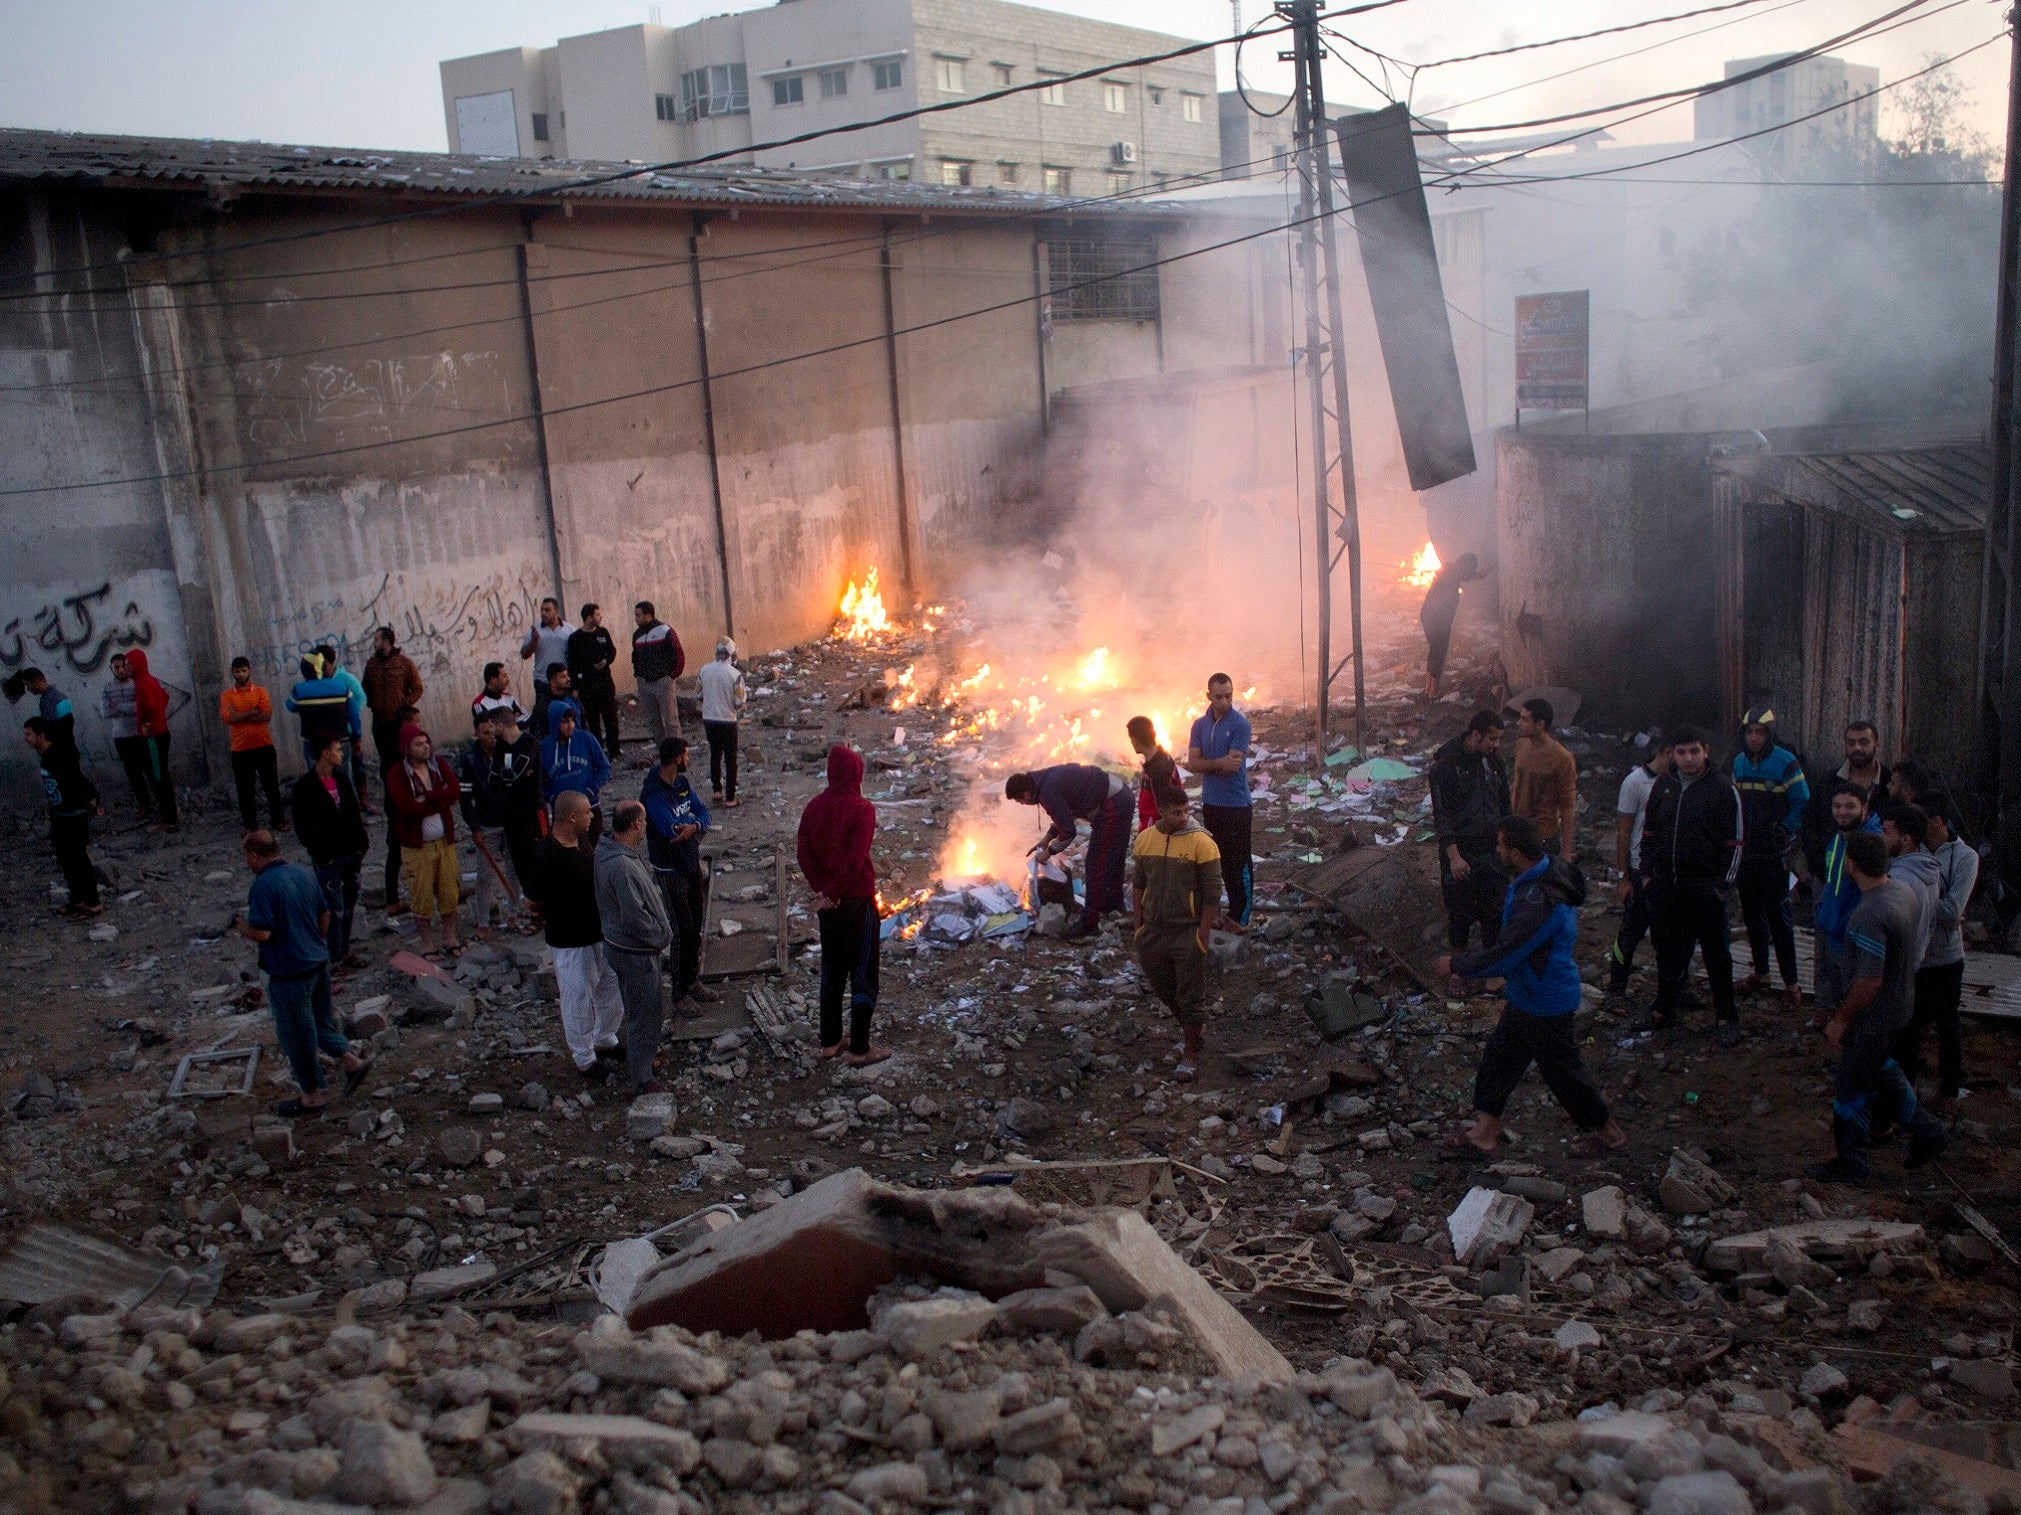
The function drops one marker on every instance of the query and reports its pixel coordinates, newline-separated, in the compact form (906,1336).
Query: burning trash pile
(951,917)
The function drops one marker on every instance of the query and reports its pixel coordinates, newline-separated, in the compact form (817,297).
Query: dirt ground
(1047,1049)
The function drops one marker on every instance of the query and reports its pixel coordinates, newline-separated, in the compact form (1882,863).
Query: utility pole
(2001,599)
(1336,528)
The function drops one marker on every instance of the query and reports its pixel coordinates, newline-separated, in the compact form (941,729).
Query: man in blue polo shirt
(287,916)
(1218,750)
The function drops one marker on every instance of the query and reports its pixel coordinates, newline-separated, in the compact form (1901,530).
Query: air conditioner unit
(1123,152)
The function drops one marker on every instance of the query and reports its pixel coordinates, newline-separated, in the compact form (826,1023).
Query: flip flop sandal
(834,1051)
(1587,1148)
(1456,1148)
(867,1059)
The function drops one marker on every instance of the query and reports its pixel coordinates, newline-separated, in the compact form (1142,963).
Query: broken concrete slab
(1691,1187)
(650,1115)
(851,1234)
(1605,1213)
(1855,1240)
(1871,1453)
(1128,1265)
(1487,1224)
(1066,1310)
(917,1328)
(623,1438)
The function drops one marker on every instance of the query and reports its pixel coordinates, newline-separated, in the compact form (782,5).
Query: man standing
(657,660)
(516,778)
(1903,828)
(484,803)
(150,722)
(248,712)
(723,696)
(356,691)
(1630,810)
(1071,793)
(285,915)
(322,702)
(1160,770)
(1837,894)
(73,799)
(1177,898)
(559,692)
(1940,982)
(591,654)
(1773,793)
(118,704)
(563,889)
(391,680)
(573,761)
(1868,1086)
(1545,788)
(1691,843)
(1470,795)
(1218,748)
(331,822)
(635,933)
(833,847)
(51,703)
(1863,768)
(1533,957)
(495,696)
(1440,609)
(426,796)
(676,822)
(544,645)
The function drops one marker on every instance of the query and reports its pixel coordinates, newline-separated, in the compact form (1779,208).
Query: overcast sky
(363,74)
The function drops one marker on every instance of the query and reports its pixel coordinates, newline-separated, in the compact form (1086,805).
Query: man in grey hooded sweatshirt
(1903,828)
(635,934)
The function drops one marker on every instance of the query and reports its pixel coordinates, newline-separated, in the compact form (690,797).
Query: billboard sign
(1552,345)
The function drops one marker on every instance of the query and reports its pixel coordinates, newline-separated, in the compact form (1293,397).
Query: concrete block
(275,1145)
(1065,1310)
(917,1328)
(628,1440)
(1855,1240)
(650,1115)
(1605,1212)
(487,1104)
(1486,1225)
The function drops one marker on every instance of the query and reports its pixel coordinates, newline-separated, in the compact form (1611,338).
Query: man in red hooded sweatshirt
(150,724)
(835,834)
(425,795)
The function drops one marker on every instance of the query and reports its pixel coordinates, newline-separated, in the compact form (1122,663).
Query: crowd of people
(621,900)
(1877,853)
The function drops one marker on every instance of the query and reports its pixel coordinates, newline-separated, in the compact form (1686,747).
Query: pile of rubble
(1092,1369)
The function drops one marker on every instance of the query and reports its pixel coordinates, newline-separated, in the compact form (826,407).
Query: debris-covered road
(420,1261)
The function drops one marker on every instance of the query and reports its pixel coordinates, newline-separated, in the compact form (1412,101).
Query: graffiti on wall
(439,621)
(295,403)
(79,632)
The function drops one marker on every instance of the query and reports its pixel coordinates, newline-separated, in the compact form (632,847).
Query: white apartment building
(661,94)
(1815,84)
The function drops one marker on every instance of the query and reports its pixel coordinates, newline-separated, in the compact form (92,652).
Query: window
(834,83)
(1115,97)
(666,108)
(1000,75)
(890,74)
(892,169)
(1157,94)
(1119,184)
(1053,94)
(947,75)
(1104,278)
(1006,171)
(1189,106)
(539,126)
(788,91)
(718,90)
(1059,181)
(953,172)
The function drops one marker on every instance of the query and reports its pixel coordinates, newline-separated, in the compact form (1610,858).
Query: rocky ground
(401,1288)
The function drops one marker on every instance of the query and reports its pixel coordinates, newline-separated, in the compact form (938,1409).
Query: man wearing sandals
(1178,899)
(73,800)
(287,916)
(1533,957)
(833,846)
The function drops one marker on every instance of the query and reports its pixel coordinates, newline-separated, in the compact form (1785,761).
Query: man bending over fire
(1071,793)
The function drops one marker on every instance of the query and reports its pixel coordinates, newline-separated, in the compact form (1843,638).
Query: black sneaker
(611,1054)
(1926,1146)
(1839,1170)
(596,1073)
(1727,1035)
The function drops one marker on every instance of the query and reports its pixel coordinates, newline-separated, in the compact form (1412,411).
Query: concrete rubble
(1016,1267)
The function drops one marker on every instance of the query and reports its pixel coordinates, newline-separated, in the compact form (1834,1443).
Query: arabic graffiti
(76,630)
(436,623)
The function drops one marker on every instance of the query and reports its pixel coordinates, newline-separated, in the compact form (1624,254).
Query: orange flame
(1419,571)
(862,613)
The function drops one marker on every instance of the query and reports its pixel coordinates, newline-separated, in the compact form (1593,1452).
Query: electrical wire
(1242,88)
(544,413)
(1605,31)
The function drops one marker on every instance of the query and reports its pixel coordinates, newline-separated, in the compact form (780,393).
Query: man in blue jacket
(572,759)
(1533,957)
(676,822)
(1773,793)
(1837,895)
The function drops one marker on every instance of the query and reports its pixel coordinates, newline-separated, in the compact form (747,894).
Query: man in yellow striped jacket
(1178,901)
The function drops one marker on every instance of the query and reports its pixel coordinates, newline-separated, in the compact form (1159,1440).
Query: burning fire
(862,613)
(1419,571)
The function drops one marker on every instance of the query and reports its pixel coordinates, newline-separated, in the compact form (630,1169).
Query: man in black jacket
(331,824)
(515,763)
(1691,844)
(591,654)
(483,806)
(1470,795)
(657,661)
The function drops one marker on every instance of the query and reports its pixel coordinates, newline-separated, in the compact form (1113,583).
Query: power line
(1605,31)
(546,412)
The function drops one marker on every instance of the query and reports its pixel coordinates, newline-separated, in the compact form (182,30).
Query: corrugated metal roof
(214,166)
(1906,491)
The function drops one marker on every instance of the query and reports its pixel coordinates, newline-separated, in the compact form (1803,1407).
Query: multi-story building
(1785,96)
(1257,133)
(725,84)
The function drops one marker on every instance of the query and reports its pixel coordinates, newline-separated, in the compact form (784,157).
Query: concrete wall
(525,71)
(810,35)
(297,405)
